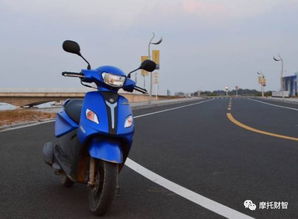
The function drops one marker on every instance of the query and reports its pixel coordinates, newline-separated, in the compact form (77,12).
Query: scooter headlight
(113,80)
(128,122)
(92,116)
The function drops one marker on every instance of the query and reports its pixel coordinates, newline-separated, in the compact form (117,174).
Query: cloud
(223,10)
(93,11)
(203,8)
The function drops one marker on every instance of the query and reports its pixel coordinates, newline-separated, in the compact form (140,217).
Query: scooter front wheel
(101,194)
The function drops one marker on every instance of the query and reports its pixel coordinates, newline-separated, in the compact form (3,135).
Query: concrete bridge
(29,99)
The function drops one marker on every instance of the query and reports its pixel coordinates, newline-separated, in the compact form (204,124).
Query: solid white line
(175,108)
(27,125)
(186,193)
(285,107)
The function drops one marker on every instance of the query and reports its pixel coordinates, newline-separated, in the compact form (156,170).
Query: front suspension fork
(92,166)
(92,171)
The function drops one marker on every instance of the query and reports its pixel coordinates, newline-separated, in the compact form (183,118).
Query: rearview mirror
(71,47)
(148,65)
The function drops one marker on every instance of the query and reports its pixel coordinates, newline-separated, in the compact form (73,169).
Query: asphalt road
(196,147)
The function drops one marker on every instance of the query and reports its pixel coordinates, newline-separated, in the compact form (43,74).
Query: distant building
(197,94)
(180,94)
(290,84)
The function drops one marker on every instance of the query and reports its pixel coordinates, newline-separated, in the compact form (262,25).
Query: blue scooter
(94,135)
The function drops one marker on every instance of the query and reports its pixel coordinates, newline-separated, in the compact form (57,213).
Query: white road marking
(27,125)
(175,108)
(186,193)
(179,190)
(271,104)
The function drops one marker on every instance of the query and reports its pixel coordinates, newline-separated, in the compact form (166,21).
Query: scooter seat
(73,109)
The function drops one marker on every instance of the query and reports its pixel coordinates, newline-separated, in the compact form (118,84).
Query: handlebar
(80,75)
(142,90)
(72,74)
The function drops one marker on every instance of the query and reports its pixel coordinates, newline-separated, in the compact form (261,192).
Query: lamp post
(236,89)
(279,59)
(227,90)
(149,57)
(261,82)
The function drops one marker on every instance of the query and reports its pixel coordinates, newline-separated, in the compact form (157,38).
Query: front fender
(105,150)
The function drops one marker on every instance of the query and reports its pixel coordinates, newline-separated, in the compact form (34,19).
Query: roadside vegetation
(241,92)
(9,117)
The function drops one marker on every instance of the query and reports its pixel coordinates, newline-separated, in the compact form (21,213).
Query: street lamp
(227,90)
(149,57)
(261,82)
(236,89)
(279,58)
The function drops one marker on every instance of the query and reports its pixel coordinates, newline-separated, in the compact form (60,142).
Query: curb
(280,100)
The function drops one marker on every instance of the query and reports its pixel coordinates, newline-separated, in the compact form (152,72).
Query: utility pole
(236,88)
(227,91)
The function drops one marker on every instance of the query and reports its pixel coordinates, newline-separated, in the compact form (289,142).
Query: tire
(66,181)
(102,193)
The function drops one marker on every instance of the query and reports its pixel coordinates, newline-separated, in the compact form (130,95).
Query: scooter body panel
(112,110)
(67,152)
(106,150)
(64,124)
(93,101)
(124,111)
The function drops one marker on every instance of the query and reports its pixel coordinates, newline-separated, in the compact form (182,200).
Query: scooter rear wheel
(102,193)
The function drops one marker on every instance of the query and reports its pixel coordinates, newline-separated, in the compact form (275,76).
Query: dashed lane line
(230,104)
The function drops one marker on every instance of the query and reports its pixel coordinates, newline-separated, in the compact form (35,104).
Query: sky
(207,44)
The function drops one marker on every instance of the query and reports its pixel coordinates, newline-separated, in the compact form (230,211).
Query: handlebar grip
(142,90)
(72,74)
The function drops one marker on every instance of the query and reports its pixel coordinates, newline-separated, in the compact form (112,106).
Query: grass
(9,117)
